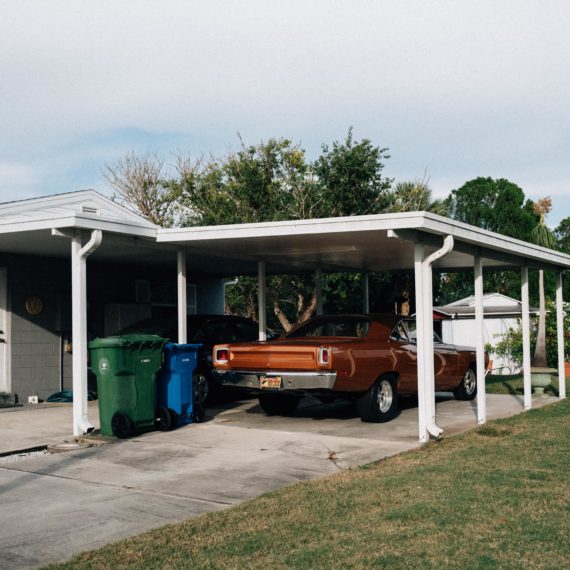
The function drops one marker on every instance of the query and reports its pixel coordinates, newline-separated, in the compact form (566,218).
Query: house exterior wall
(462,332)
(40,363)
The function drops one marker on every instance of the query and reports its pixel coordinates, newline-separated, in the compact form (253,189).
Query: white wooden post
(79,253)
(560,335)
(319,291)
(480,340)
(182,300)
(365,293)
(420,344)
(526,338)
(261,300)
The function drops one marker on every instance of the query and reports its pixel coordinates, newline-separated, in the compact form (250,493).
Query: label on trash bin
(145,360)
(103,365)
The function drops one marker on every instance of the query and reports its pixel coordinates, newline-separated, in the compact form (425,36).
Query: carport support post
(365,293)
(182,302)
(420,344)
(319,291)
(480,340)
(560,335)
(79,253)
(526,338)
(261,300)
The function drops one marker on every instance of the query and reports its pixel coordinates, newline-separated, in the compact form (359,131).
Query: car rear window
(342,327)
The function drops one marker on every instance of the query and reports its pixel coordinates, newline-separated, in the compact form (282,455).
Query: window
(406,331)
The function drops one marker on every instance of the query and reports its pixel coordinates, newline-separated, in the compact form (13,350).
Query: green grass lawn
(513,384)
(496,497)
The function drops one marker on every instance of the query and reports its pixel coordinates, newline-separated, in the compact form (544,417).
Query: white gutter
(427,303)
(81,424)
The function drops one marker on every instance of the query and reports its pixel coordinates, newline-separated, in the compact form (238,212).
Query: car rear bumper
(251,379)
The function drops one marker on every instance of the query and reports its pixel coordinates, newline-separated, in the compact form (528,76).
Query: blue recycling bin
(174,381)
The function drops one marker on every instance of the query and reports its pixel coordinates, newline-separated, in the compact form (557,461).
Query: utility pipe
(427,307)
(560,335)
(480,340)
(79,254)
(182,297)
(526,338)
(261,300)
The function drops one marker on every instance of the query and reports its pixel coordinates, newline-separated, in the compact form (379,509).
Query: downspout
(448,243)
(81,422)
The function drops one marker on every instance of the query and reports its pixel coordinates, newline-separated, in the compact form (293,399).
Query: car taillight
(324,356)
(222,355)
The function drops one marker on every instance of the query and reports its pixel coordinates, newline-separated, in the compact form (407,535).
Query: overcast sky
(454,89)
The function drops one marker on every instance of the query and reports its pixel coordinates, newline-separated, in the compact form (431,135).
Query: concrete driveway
(55,505)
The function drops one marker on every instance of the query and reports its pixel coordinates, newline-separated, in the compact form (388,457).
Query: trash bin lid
(125,340)
(174,347)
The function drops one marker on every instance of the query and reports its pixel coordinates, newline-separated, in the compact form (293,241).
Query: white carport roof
(26,228)
(351,244)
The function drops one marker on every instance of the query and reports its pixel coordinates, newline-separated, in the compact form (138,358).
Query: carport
(417,240)
(85,225)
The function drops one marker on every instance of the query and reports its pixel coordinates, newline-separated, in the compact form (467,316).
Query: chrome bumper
(289,380)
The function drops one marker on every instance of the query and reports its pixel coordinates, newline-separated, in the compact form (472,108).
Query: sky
(454,89)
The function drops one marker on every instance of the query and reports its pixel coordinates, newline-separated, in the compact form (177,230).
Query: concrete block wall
(35,341)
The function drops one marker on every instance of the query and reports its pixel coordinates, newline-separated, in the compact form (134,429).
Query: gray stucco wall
(38,362)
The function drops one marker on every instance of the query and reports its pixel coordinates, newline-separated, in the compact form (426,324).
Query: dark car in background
(207,330)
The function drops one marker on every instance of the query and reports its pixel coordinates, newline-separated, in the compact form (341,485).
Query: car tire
(163,420)
(202,386)
(467,389)
(121,425)
(380,403)
(278,404)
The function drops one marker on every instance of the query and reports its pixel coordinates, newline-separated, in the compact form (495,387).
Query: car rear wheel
(202,388)
(278,404)
(467,390)
(380,403)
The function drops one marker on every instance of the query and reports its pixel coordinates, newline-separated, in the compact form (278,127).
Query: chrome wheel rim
(470,381)
(385,396)
(200,388)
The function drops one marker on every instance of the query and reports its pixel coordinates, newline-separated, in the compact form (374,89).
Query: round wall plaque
(34,305)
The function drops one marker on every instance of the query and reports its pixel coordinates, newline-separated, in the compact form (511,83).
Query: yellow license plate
(273,382)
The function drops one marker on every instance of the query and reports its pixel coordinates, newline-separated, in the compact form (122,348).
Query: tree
(544,237)
(350,178)
(269,181)
(562,233)
(494,205)
(141,186)
(415,196)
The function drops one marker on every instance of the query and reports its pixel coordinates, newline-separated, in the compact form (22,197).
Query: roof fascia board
(83,221)
(491,241)
(469,239)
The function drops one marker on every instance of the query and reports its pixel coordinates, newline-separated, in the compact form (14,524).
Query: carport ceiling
(360,243)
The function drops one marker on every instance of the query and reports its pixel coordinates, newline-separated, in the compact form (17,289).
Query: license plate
(271,382)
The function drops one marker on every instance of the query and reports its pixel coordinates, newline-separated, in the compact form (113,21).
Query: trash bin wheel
(173,418)
(121,425)
(163,420)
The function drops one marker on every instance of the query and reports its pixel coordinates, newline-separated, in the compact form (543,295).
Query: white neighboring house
(500,314)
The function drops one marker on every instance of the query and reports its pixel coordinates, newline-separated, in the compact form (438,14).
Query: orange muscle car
(369,358)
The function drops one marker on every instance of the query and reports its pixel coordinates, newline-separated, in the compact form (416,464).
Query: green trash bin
(126,367)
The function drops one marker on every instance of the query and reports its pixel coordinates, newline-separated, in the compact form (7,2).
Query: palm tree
(543,236)
(414,196)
